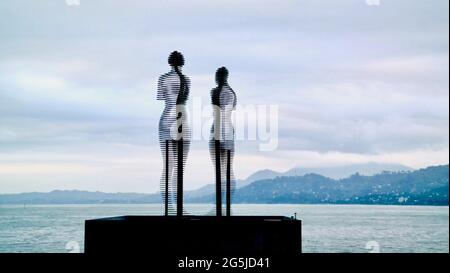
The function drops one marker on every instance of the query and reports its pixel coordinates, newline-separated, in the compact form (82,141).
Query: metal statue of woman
(174,133)
(221,144)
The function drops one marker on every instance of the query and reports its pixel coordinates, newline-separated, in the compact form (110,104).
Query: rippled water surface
(326,228)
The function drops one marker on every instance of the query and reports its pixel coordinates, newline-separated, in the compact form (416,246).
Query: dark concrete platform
(193,235)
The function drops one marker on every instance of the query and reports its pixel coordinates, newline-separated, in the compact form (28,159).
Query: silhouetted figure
(221,144)
(174,133)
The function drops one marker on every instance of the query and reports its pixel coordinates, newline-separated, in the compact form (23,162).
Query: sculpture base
(193,235)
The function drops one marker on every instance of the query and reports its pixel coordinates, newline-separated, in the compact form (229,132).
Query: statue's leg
(218,172)
(223,176)
(212,153)
(232,177)
(174,177)
(186,147)
(228,183)
(180,173)
(166,177)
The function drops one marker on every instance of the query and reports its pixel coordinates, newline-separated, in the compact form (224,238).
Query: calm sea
(326,228)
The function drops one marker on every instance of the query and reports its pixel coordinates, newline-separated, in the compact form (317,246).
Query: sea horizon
(325,228)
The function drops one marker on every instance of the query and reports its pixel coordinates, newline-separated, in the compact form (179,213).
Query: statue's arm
(234,99)
(162,90)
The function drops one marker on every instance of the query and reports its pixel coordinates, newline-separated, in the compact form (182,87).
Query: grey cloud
(347,77)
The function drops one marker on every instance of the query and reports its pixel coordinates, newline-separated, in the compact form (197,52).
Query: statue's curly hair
(176,59)
(222,74)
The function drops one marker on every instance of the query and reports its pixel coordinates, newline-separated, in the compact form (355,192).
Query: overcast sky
(354,83)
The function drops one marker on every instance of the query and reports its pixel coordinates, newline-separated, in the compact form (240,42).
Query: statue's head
(221,75)
(176,59)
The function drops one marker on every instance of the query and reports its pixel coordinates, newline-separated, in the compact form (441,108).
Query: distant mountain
(336,172)
(340,172)
(210,188)
(428,186)
(205,190)
(259,175)
(78,197)
(332,172)
(423,187)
